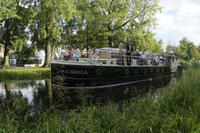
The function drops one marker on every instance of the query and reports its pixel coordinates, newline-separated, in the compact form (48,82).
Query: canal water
(40,95)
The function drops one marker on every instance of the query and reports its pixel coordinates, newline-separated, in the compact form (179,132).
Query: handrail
(116,60)
(95,56)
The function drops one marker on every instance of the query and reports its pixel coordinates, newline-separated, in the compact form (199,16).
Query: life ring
(98,72)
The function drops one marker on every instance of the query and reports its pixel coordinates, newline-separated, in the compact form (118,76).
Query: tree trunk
(7,86)
(110,38)
(47,53)
(50,92)
(6,57)
(110,41)
(9,36)
(47,49)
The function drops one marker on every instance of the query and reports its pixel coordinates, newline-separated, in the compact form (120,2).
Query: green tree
(198,48)
(50,16)
(150,44)
(110,21)
(187,50)
(82,30)
(145,41)
(121,14)
(8,9)
(25,51)
(13,32)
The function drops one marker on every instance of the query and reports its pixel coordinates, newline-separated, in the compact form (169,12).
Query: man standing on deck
(129,50)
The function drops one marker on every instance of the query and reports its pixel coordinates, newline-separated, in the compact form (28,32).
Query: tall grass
(173,110)
(24,73)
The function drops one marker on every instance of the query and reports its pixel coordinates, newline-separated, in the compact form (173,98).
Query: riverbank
(24,73)
(187,65)
(174,109)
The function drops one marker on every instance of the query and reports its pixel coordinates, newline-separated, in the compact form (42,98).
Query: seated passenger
(84,53)
(69,54)
(154,60)
(137,55)
(54,56)
(77,54)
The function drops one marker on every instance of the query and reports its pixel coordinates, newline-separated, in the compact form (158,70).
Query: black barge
(93,73)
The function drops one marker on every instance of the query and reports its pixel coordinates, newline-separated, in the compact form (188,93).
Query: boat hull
(87,76)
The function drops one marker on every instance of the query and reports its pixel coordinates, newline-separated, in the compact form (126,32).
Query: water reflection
(27,89)
(40,95)
(110,95)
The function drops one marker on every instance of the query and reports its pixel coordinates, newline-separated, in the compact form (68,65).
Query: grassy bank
(186,65)
(21,73)
(172,110)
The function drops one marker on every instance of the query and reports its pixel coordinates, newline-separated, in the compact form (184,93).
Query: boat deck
(106,62)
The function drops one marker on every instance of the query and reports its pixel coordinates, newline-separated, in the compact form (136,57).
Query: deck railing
(109,58)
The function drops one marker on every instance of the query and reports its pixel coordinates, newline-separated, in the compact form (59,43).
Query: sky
(178,19)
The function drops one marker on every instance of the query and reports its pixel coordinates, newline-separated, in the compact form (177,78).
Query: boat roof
(109,49)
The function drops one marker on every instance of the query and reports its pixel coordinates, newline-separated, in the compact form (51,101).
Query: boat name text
(78,72)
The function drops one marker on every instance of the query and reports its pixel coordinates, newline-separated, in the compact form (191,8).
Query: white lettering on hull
(77,72)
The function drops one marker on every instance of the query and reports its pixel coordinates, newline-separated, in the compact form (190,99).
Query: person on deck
(121,48)
(70,53)
(54,56)
(129,50)
(84,53)
(77,54)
